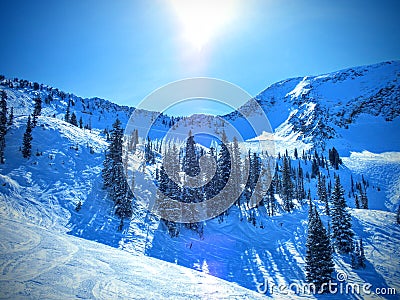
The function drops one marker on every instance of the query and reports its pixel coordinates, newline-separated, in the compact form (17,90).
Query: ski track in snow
(36,263)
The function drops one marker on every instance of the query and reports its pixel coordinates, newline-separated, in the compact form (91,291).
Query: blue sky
(123,50)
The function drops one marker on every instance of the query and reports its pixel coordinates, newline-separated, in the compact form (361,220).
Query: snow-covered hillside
(96,113)
(39,264)
(357,111)
(38,200)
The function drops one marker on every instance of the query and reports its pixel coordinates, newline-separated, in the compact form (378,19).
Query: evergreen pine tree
(73,120)
(355,255)
(296,194)
(223,163)
(310,209)
(163,181)
(364,198)
(319,262)
(353,259)
(132,185)
(3,125)
(116,137)
(236,169)
(113,174)
(254,171)
(287,186)
(210,189)
(27,139)
(329,187)
(357,202)
(67,113)
(168,182)
(329,229)
(121,193)
(174,187)
(246,165)
(148,152)
(277,180)
(361,256)
(257,197)
(314,168)
(322,161)
(190,161)
(334,158)
(271,199)
(322,194)
(352,184)
(296,155)
(300,182)
(161,196)
(342,234)
(36,110)
(80,123)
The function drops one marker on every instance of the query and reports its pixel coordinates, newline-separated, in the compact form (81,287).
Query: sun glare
(202,20)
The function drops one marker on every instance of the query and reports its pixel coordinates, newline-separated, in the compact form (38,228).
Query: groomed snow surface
(39,264)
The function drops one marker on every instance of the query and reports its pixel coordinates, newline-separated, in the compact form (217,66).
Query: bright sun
(202,20)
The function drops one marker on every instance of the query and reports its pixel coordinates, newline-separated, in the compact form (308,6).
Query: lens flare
(203,20)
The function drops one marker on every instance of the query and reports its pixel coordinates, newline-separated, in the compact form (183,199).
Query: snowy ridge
(96,113)
(305,111)
(320,108)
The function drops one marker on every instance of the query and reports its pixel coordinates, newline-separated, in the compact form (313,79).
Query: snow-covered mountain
(355,110)
(346,104)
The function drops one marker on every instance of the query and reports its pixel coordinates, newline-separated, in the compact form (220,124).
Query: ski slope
(36,263)
(38,220)
(240,252)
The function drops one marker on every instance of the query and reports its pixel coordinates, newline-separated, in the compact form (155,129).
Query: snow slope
(39,264)
(38,199)
(240,252)
(45,189)
(52,183)
(383,171)
(354,106)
